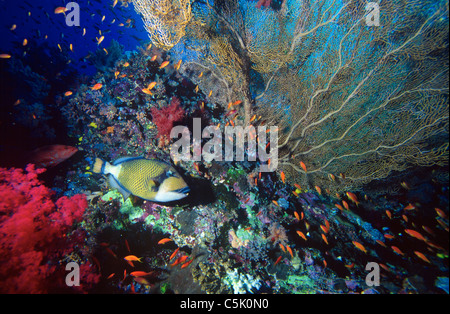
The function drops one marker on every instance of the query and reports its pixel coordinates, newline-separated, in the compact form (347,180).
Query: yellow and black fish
(150,179)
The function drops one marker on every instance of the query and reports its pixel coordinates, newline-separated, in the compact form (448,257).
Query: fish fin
(116,185)
(124,159)
(99,166)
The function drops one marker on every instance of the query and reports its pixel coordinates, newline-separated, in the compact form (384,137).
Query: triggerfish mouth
(149,179)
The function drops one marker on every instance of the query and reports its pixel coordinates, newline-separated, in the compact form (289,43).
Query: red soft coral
(164,119)
(33,231)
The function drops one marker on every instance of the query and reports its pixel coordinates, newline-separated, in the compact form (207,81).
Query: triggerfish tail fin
(99,166)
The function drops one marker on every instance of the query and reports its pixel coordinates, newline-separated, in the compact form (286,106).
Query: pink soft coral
(33,231)
(164,119)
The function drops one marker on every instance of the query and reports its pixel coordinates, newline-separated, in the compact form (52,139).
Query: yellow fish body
(149,179)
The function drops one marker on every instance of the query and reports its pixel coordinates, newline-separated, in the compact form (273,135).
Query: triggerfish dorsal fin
(115,184)
(124,159)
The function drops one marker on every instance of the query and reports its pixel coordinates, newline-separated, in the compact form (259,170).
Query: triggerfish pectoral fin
(116,185)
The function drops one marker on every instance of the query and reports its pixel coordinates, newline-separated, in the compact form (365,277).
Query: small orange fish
(186,264)
(68,93)
(126,243)
(324,238)
(275,202)
(154,58)
(165,240)
(353,198)
(388,236)
(288,248)
(389,214)
(422,257)
(97,86)
(324,228)
(174,254)
(346,205)
(200,75)
(350,266)
(146,91)
(278,260)
(282,247)
(301,234)
(428,229)
(179,260)
(331,177)
(405,185)
(164,64)
(111,252)
(440,212)
(296,216)
(59,10)
(339,206)
(25,42)
(126,64)
(110,276)
(302,164)
(410,207)
(178,65)
(359,246)
(132,258)
(415,234)
(397,250)
(324,263)
(318,189)
(151,85)
(5,56)
(297,186)
(99,40)
(140,273)
(283,177)
(381,243)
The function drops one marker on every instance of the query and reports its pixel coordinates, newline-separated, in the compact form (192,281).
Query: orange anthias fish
(97,86)
(186,264)
(318,189)
(415,234)
(164,64)
(410,207)
(174,253)
(140,273)
(288,248)
(302,235)
(302,164)
(59,10)
(346,205)
(422,257)
(397,250)
(282,176)
(165,240)
(359,246)
(440,212)
(353,197)
(50,155)
(132,258)
(324,238)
